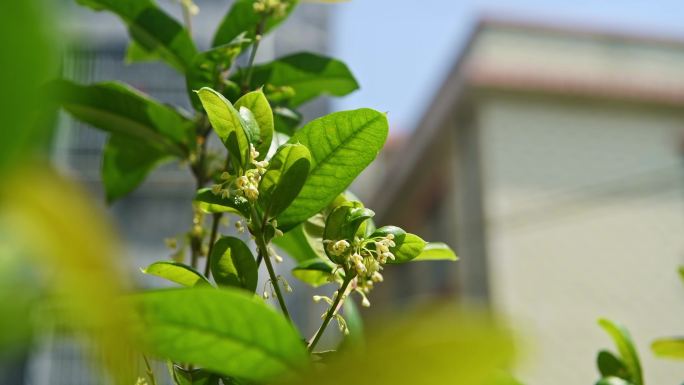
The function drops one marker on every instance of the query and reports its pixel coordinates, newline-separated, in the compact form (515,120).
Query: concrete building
(551,159)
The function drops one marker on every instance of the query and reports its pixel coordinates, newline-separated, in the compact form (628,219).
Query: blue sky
(400,50)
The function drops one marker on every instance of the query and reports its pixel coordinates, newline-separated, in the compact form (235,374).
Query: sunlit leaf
(227,123)
(625,346)
(226,331)
(342,144)
(669,348)
(436,251)
(176,272)
(256,102)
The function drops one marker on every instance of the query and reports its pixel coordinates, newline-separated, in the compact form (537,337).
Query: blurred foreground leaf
(669,348)
(430,347)
(61,230)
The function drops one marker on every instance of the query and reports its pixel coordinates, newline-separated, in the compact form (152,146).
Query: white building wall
(584,205)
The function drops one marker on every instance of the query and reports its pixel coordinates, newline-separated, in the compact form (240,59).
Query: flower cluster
(363,260)
(277,8)
(246,185)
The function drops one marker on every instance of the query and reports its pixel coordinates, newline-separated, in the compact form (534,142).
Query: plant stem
(252,55)
(258,232)
(150,372)
(337,303)
(187,17)
(216,219)
(274,279)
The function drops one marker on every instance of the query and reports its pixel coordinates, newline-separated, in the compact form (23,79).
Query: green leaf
(233,264)
(194,377)
(355,339)
(216,203)
(669,348)
(206,68)
(342,144)
(177,272)
(152,29)
(613,381)
(227,331)
(284,178)
(407,246)
(286,120)
(436,251)
(242,18)
(420,348)
(227,123)
(121,110)
(299,244)
(307,74)
(135,53)
(125,164)
(315,272)
(256,102)
(681,272)
(343,223)
(609,365)
(625,346)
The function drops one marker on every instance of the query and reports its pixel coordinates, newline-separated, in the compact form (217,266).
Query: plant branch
(216,219)
(252,55)
(258,232)
(334,308)
(150,372)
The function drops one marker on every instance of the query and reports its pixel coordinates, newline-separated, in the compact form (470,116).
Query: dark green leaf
(343,223)
(119,109)
(286,174)
(242,18)
(194,376)
(135,53)
(436,251)
(125,164)
(308,75)
(233,264)
(152,29)
(227,331)
(613,381)
(234,204)
(256,102)
(407,246)
(206,68)
(609,365)
(227,123)
(342,144)
(177,272)
(625,346)
(315,272)
(669,348)
(300,245)
(286,120)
